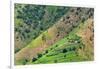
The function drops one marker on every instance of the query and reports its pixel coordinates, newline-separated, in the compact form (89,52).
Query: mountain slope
(71,48)
(59,30)
(31,20)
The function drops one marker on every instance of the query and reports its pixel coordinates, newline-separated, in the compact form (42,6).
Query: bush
(27,30)
(70,49)
(44,37)
(91,38)
(16,50)
(67,17)
(77,13)
(51,48)
(64,50)
(72,10)
(83,20)
(73,48)
(65,55)
(80,47)
(55,61)
(78,8)
(56,45)
(46,51)
(39,55)
(34,59)
(24,61)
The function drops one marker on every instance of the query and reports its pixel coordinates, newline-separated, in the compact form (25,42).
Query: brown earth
(87,34)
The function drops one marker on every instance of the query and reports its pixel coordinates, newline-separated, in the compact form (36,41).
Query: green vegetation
(32,20)
(65,50)
(52,34)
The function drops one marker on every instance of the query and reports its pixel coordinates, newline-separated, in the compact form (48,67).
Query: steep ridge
(65,25)
(72,48)
(31,20)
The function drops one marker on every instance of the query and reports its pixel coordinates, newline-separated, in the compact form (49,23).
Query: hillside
(71,48)
(66,40)
(32,20)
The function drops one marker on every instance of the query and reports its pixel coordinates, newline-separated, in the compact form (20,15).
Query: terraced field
(67,37)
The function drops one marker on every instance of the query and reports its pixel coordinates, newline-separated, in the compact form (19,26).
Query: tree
(56,45)
(55,61)
(46,51)
(27,30)
(64,55)
(43,37)
(24,61)
(39,55)
(64,50)
(34,59)
(77,13)
(67,17)
(83,20)
(73,48)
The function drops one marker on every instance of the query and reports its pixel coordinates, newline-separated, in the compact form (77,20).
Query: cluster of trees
(38,56)
(34,19)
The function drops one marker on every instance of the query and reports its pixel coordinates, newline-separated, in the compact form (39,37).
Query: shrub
(39,55)
(55,61)
(51,48)
(67,17)
(24,61)
(70,49)
(16,50)
(80,47)
(77,13)
(73,48)
(56,45)
(83,20)
(34,59)
(27,30)
(72,10)
(44,37)
(78,8)
(91,38)
(64,50)
(65,55)
(46,51)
